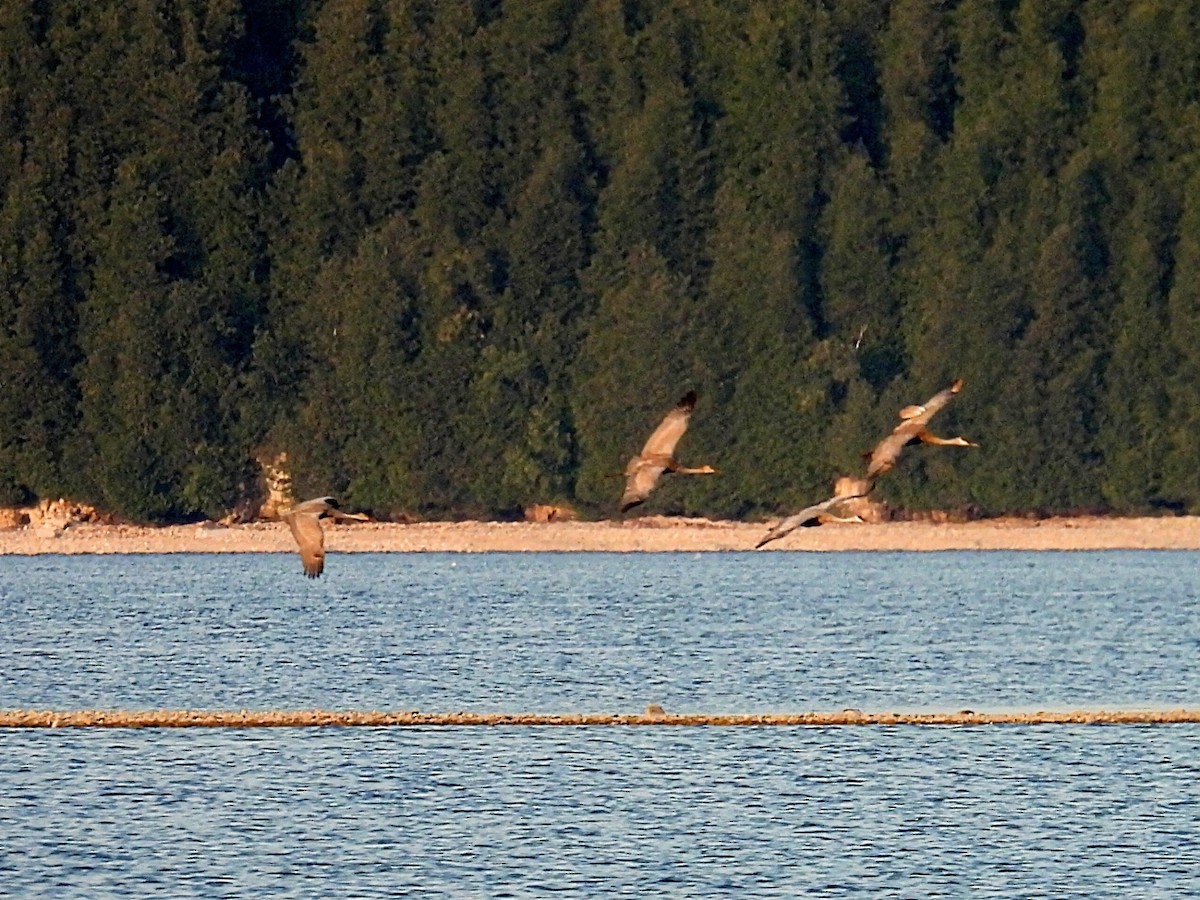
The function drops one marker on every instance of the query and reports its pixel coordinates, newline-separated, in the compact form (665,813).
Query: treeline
(455,258)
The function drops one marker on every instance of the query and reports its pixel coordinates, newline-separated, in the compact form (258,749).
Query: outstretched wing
(641,475)
(662,442)
(316,505)
(310,537)
(806,515)
(931,406)
(790,524)
(338,516)
(883,457)
(913,420)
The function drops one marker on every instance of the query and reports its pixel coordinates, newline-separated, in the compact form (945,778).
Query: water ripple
(700,812)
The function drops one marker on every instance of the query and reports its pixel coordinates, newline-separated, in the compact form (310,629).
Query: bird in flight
(657,457)
(810,516)
(911,430)
(304,519)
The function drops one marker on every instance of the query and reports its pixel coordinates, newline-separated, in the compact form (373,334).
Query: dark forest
(457,258)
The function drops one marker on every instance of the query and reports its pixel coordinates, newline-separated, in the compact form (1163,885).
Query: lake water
(690,812)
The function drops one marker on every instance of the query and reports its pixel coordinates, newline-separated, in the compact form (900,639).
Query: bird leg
(701,470)
(930,438)
(338,516)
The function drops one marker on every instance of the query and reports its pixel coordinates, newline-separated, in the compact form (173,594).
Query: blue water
(865,812)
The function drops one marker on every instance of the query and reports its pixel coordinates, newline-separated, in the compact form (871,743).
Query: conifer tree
(354,434)
(37,341)
(917,91)
(457,258)
(982,271)
(1182,347)
(631,370)
(773,81)
(770,410)
(320,213)
(1143,158)
(164,164)
(521,389)
(37,403)
(645,344)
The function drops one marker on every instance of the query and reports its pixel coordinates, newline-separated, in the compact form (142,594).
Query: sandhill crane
(811,516)
(304,519)
(644,470)
(912,430)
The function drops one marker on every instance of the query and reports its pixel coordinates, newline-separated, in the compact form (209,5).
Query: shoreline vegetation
(460,257)
(644,534)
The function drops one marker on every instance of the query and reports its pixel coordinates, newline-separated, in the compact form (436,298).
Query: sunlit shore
(646,534)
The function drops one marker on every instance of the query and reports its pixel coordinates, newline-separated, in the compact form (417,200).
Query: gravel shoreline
(646,534)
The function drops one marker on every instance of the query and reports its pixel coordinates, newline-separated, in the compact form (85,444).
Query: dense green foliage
(457,258)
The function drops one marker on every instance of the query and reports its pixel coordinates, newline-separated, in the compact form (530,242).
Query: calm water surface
(865,812)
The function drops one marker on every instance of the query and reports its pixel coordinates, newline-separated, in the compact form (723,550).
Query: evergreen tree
(1134,400)
(778,363)
(354,434)
(859,302)
(630,371)
(37,345)
(520,392)
(164,165)
(645,345)
(128,445)
(978,274)
(458,258)
(918,96)
(771,409)
(340,111)
(658,192)
(456,210)
(1182,346)
(1052,388)
(1143,157)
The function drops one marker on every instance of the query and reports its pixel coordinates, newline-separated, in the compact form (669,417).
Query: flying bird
(643,471)
(811,516)
(304,519)
(912,430)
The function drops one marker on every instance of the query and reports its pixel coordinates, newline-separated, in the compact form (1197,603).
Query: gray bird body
(912,429)
(657,457)
(809,516)
(304,520)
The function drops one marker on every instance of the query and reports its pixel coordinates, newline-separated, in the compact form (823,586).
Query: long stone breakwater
(183,718)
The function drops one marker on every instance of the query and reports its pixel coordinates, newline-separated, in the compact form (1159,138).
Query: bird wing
(662,442)
(310,537)
(338,516)
(932,405)
(912,425)
(316,505)
(883,457)
(791,523)
(641,475)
